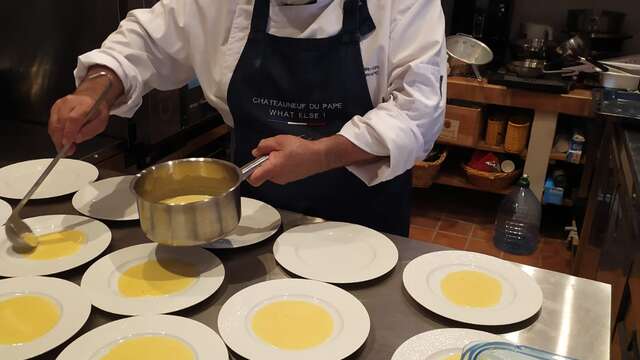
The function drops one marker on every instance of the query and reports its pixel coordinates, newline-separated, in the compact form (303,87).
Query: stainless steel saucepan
(195,223)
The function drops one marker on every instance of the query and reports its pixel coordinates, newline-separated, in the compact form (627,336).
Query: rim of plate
(99,281)
(75,310)
(262,209)
(348,338)
(85,173)
(439,343)
(378,254)
(85,197)
(205,342)
(5,211)
(526,300)
(98,239)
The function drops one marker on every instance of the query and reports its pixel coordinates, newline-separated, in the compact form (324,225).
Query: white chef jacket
(404,58)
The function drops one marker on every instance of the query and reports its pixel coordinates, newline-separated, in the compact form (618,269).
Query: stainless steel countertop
(574,320)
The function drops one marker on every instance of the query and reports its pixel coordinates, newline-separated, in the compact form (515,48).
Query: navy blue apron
(311,88)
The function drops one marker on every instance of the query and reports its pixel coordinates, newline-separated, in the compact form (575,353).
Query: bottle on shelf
(518,221)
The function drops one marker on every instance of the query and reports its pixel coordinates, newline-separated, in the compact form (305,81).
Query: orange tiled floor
(465,220)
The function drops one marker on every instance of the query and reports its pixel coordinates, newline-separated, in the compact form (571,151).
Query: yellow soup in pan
(25,318)
(57,245)
(471,289)
(157,278)
(150,348)
(292,324)
(185,199)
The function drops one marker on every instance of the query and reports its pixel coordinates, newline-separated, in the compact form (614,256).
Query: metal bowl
(195,223)
(468,50)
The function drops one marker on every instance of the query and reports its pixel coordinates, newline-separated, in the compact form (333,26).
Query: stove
(553,85)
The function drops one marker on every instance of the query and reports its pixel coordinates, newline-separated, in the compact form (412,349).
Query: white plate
(5,211)
(109,199)
(74,312)
(203,341)
(439,344)
(258,222)
(335,252)
(100,281)
(67,176)
(351,320)
(98,238)
(521,295)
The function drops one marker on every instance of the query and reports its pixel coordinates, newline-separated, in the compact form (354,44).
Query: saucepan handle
(248,169)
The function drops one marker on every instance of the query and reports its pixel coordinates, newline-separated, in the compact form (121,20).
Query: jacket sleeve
(149,50)
(404,127)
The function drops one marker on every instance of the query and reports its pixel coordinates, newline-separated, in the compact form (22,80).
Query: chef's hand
(68,114)
(292,158)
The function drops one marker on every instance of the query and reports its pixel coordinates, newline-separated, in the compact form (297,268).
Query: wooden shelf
(457,178)
(577,102)
(557,156)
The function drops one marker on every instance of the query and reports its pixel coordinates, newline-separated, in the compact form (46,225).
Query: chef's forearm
(94,86)
(338,151)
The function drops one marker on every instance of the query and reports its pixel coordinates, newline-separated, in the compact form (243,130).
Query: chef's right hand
(68,123)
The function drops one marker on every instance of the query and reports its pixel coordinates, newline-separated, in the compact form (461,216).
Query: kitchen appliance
(36,69)
(552,85)
(194,223)
(531,31)
(615,79)
(488,21)
(601,30)
(464,51)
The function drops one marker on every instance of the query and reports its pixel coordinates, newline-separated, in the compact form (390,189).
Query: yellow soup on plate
(150,348)
(453,357)
(25,318)
(292,325)
(157,278)
(472,289)
(57,245)
(185,199)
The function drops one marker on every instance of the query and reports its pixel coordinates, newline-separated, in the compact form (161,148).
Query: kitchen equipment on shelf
(518,221)
(213,183)
(490,180)
(528,68)
(531,30)
(615,79)
(530,48)
(589,21)
(425,172)
(517,135)
(496,129)
(464,51)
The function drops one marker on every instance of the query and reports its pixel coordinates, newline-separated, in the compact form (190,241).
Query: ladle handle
(248,169)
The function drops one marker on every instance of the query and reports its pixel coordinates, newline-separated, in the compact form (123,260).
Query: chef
(343,95)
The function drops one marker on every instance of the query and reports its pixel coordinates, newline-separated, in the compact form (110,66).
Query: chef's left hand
(290,158)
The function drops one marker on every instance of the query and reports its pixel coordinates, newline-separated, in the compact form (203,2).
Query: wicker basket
(490,180)
(517,136)
(425,172)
